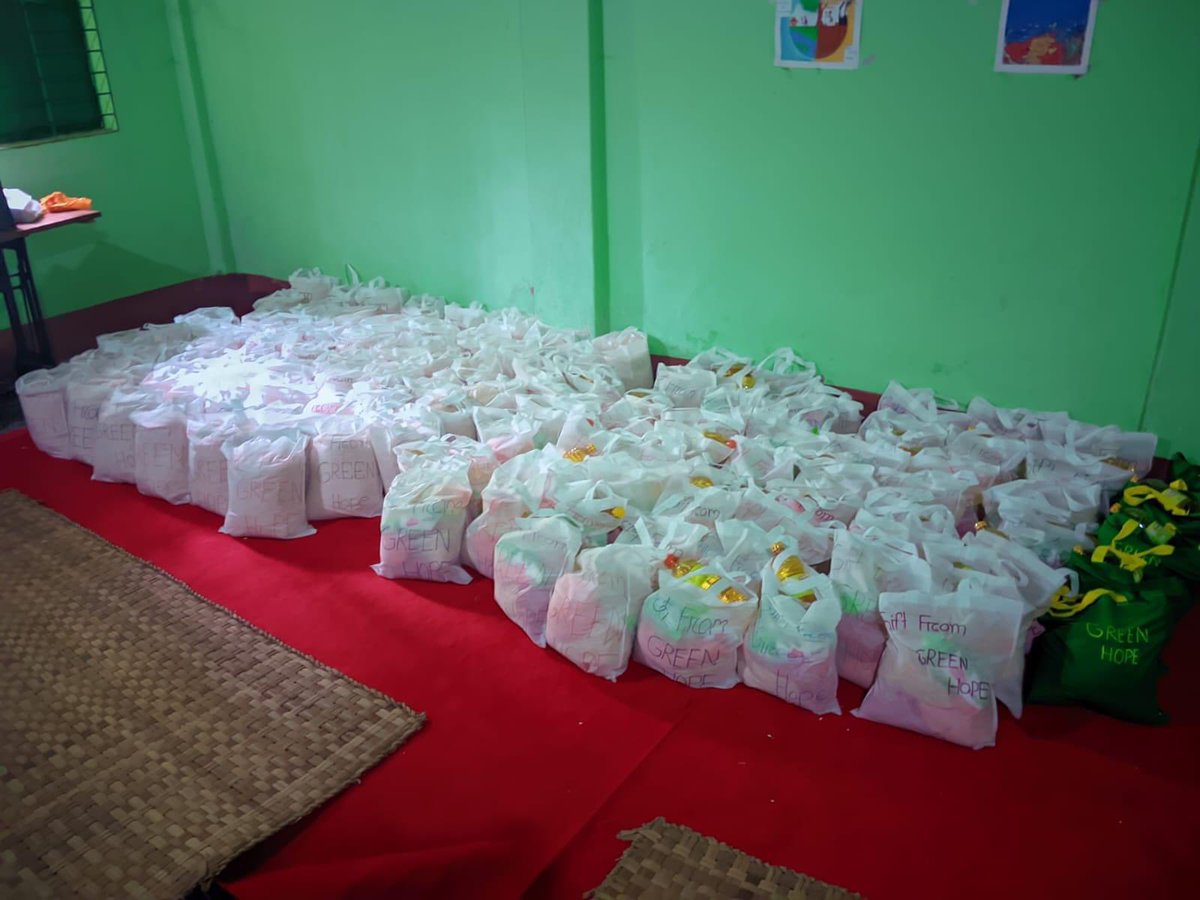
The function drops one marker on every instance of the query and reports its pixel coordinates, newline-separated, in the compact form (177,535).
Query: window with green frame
(53,82)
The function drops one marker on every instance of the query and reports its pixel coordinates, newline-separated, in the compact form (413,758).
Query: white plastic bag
(937,674)
(529,562)
(24,208)
(592,505)
(594,610)
(862,568)
(514,491)
(84,398)
(42,394)
(388,430)
(791,650)
(692,626)
(685,386)
(311,284)
(208,469)
(746,550)
(1035,583)
(115,455)
(421,530)
(629,354)
(161,453)
(508,434)
(343,475)
(266,485)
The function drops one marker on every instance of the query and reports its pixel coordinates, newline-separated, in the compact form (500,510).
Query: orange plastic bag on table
(60,202)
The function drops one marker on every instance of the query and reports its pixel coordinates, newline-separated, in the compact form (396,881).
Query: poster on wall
(817,34)
(1046,36)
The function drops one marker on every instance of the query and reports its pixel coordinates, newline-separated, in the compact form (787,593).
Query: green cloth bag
(1109,575)
(1153,527)
(1182,469)
(1154,496)
(1107,656)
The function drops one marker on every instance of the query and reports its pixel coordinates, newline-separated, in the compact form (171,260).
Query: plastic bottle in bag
(692,626)
(791,650)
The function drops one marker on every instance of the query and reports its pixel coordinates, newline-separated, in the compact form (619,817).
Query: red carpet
(528,768)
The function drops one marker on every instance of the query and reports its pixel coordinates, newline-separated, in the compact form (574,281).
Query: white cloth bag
(862,568)
(529,562)
(114,458)
(628,352)
(161,453)
(208,469)
(84,397)
(791,650)
(42,394)
(343,473)
(686,386)
(937,675)
(692,626)
(421,530)
(594,610)
(266,485)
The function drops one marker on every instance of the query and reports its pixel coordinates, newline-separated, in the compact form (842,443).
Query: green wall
(1173,398)
(636,162)
(140,177)
(922,218)
(445,148)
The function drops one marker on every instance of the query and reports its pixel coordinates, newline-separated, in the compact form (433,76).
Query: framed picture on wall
(1047,37)
(817,34)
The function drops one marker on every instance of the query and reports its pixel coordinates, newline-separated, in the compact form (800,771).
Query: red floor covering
(527,768)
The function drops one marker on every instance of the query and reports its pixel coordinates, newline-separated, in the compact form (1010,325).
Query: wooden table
(33,349)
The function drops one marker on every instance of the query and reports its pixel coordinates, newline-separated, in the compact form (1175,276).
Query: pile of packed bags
(1107,629)
(723,521)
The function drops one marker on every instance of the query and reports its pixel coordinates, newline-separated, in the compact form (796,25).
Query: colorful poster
(817,34)
(1046,36)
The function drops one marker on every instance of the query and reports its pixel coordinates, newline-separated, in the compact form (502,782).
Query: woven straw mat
(670,861)
(148,736)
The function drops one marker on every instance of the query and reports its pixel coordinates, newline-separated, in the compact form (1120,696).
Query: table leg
(33,306)
(14,315)
(32,346)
